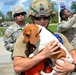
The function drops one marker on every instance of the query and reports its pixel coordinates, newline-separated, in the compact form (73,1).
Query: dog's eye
(28,35)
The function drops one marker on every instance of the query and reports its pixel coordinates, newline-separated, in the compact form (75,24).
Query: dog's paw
(42,73)
(31,55)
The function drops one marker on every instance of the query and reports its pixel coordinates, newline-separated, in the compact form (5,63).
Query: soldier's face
(68,13)
(20,17)
(43,21)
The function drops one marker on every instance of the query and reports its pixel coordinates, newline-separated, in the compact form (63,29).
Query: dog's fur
(40,40)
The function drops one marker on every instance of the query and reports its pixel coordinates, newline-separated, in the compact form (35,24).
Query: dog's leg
(52,73)
(36,51)
(33,54)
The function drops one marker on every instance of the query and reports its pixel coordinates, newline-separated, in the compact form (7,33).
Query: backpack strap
(58,37)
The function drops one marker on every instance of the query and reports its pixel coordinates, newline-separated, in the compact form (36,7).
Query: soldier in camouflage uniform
(40,12)
(13,31)
(68,26)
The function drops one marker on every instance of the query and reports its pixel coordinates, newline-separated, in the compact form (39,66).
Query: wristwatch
(75,67)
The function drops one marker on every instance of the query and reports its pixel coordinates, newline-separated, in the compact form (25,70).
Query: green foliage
(53,28)
(9,16)
(28,20)
(2,17)
(55,19)
(73,6)
(2,29)
(53,3)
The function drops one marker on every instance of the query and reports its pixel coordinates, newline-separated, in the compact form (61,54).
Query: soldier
(13,31)
(40,12)
(68,26)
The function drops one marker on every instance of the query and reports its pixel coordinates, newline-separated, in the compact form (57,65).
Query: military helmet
(40,7)
(18,9)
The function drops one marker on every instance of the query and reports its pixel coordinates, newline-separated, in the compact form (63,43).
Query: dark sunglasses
(18,14)
(39,18)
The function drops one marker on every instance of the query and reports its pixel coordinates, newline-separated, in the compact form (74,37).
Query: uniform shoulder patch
(6,33)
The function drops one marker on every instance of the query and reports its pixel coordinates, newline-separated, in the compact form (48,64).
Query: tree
(53,3)
(55,18)
(2,17)
(28,20)
(73,6)
(9,15)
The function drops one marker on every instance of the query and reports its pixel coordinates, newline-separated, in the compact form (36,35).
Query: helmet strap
(33,9)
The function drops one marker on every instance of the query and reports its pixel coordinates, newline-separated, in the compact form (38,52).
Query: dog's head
(31,33)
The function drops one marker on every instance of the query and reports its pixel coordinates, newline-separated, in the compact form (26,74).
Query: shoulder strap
(58,37)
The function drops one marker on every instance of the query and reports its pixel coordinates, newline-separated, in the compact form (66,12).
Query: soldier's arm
(73,54)
(8,41)
(64,25)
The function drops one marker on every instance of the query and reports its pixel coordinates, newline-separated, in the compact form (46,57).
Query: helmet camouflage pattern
(18,9)
(40,8)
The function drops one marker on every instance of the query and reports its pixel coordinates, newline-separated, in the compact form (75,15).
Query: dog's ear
(34,36)
(26,34)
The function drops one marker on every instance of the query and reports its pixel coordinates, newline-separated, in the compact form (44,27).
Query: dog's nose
(28,35)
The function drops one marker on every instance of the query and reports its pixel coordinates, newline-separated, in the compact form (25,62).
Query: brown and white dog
(40,37)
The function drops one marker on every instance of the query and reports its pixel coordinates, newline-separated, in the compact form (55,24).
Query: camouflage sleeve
(64,25)
(8,40)
(66,43)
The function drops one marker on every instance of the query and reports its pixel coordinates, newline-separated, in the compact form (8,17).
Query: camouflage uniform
(68,28)
(12,32)
(11,35)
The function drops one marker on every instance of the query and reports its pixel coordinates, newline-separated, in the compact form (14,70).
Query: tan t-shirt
(20,48)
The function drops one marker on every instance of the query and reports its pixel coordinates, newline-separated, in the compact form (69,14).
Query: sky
(7,5)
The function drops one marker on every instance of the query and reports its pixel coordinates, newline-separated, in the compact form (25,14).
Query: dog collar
(40,30)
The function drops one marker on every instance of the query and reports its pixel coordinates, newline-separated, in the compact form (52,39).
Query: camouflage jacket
(68,28)
(66,25)
(10,36)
